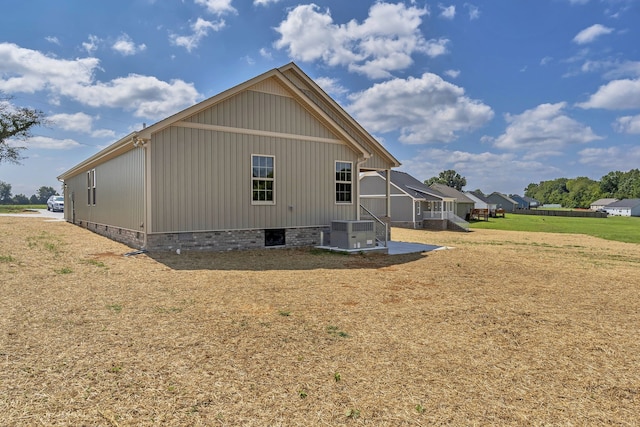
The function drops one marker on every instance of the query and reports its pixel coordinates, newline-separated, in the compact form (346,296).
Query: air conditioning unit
(353,234)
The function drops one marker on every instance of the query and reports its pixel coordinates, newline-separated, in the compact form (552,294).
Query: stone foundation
(134,239)
(226,240)
(434,224)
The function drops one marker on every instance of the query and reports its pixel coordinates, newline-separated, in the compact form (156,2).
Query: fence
(575,214)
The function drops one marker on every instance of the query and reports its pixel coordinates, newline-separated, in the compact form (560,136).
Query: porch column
(388,192)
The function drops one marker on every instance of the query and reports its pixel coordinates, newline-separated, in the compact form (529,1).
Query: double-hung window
(91,187)
(344,182)
(262,179)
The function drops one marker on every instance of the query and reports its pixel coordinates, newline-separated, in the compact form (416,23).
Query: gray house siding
(201,181)
(119,198)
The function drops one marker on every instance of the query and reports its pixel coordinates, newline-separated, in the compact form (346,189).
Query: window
(418,204)
(262,179)
(343,182)
(91,187)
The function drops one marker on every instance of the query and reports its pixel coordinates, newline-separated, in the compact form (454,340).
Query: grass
(506,328)
(618,228)
(19,208)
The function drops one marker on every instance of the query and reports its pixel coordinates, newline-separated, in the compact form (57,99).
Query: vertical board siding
(119,193)
(263,111)
(190,193)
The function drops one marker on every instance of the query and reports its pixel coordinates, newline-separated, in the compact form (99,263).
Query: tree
(44,193)
(15,122)
(20,199)
(5,193)
(449,178)
(34,200)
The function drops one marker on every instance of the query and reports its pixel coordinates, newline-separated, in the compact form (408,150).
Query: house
(481,203)
(524,202)
(600,204)
(413,204)
(270,162)
(624,207)
(462,204)
(503,202)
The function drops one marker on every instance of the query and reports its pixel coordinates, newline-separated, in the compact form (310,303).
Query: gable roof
(479,196)
(624,203)
(451,192)
(503,196)
(603,202)
(414,187)
(318,103)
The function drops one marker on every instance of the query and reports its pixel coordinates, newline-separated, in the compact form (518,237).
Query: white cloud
(145,95)
(91,45)
(126,46)
(266,54)
(264,2)
(52,39)
(627,124)
(29,71)
(452,73)
(488,171)
(447,12)
(474,11)
(382,43)
(48,143)
(612,158)
(331,86)
(217,7)
(200,30)
(615,95)
(426,109)
(79,122)
(543,130)
(546,60)
(591,33)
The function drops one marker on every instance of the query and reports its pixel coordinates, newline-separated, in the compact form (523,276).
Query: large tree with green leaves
(449,178)
(5,193)
(15,123)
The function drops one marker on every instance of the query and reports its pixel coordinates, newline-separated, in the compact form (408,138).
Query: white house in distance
(270,162)
(601,203)
(481,202)
(624,207)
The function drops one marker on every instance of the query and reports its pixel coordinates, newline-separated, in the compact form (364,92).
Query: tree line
(580,192)
(40,198)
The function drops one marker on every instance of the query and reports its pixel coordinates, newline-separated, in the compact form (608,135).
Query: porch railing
(449,216)
(381,227)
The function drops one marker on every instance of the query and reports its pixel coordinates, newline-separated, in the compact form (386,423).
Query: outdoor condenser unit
(353,234)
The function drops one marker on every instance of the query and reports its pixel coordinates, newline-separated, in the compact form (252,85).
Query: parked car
(55,203)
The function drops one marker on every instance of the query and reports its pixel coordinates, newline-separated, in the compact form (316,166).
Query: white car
(55,203)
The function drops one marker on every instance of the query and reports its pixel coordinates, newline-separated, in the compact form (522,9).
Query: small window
(274,237)
(343,182)
(262,179)
(418,212)
(91,187)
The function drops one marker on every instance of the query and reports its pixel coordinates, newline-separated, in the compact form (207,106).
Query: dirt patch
(505,329)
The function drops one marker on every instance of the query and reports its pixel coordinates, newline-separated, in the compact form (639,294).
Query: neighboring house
(270,162)
(624,207)
(462,204)
(524,202)
(600,204)
(481,202)
(503,201)
(413,204)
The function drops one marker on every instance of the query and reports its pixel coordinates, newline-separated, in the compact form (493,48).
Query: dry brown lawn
(506,328)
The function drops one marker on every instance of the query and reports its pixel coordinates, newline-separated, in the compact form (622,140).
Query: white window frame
(271,179)
(91,187)
(343,182)
(418,208)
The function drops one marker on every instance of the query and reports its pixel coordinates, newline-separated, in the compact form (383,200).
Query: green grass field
(622,229)
(19,208)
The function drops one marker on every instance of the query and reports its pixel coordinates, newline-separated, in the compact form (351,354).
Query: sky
(505,92)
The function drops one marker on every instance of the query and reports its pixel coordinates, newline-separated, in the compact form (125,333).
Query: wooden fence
(575,214)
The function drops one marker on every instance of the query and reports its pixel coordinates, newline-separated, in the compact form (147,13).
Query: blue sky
(505,92)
